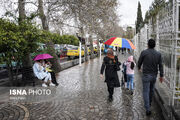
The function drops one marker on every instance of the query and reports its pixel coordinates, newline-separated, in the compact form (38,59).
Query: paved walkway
(82,95)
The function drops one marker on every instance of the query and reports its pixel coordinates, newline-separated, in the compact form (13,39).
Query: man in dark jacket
(152,61)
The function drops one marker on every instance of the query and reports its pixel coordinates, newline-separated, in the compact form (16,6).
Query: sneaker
(131,92)
(148,113)
(44,85)
(51,84)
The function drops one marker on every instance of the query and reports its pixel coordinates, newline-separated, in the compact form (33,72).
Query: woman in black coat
(111,66)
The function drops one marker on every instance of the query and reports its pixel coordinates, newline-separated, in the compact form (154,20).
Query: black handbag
(117,64)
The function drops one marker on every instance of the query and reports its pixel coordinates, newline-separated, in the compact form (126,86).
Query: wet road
(82,95)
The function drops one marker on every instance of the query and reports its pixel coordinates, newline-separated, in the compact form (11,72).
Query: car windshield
(74,48)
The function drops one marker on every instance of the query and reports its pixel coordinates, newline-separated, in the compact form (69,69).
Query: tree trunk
(42,16)
(85,52)
(98,48)
(55,61)
(21,7)
(26,61)
(10,74)
(85,46)
(50,45)
(91,46)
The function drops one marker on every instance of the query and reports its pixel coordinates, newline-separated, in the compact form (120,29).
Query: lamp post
(80,40)
(79,53)
(100,42)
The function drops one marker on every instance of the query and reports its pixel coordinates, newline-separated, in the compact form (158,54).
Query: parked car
(89,51)
(74,52)
(96,50)
(58,49)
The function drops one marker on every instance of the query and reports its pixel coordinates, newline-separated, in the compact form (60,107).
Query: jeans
(148,81)
(130,79)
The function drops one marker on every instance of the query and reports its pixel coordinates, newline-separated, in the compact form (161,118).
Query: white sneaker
(44,85)
(125,84)
(51,84)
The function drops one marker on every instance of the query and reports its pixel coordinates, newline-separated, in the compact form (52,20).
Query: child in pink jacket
(130,65)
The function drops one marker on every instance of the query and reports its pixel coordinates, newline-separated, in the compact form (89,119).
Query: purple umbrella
(42,57)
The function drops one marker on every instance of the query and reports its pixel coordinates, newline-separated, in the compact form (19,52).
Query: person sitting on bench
(41,73)
(48,67)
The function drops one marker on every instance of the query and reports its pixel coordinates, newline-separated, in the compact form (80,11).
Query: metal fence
(165,29)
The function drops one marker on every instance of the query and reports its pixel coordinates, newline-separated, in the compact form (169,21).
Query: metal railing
(166,32)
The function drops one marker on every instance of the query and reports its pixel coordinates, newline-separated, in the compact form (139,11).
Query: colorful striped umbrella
(120,42)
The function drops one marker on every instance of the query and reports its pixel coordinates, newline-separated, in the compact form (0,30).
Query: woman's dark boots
(110,99)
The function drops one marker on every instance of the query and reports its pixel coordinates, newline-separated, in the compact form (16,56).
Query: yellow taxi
(96,50)
(74,52)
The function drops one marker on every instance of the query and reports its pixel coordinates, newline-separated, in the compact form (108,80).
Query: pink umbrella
(42,57)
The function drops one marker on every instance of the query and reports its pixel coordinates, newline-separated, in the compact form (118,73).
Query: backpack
(132,65)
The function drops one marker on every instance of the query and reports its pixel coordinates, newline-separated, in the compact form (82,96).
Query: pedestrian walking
(130,64)
(119,49)
(111,66)
(122,50)
(124,76)
(151,61)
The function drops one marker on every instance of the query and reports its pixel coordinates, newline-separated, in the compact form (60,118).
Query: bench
(28,77)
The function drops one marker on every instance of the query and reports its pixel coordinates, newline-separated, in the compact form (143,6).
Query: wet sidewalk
(82,95)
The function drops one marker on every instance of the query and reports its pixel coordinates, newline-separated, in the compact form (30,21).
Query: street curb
(167,110)
(72,63)
(4,81)
(163,106)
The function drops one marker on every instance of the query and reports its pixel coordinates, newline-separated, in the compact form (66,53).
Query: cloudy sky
(128,10)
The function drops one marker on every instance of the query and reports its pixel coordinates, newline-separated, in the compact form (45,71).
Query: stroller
(124,76)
